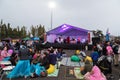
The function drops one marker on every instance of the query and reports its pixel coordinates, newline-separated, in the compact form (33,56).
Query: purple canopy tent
(67,30)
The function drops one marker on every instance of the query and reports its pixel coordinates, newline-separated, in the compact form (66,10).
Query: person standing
(116,56)
(99,48)
(108,53)
(95,56)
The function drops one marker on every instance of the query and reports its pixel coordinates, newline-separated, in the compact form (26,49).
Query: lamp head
(52,5)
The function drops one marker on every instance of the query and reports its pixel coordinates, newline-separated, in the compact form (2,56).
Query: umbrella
(36,38)
(27,38)
(6,39)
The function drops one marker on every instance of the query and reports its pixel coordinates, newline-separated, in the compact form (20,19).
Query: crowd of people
(104,56)
(69,40)
(33,61)
(29,61)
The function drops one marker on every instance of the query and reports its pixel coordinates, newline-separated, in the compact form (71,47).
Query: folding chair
(5,70)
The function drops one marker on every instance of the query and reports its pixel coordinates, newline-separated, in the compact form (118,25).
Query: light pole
(0,30)
(52,6)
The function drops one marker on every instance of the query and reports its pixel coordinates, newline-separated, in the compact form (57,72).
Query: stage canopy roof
(68,30)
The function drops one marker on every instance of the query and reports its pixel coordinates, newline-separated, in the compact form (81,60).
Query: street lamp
(0,30)
(52,6)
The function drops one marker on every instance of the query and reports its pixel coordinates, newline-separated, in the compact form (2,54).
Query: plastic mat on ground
(77,73)
(67,62)
(54,74)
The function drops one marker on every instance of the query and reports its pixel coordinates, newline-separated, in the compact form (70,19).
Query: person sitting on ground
(36,58)
(39,68)
(94,74)
(83,55)
(52,57)
(17,45)
(14,58)
(0,54)
(59,53)
(31,53)
(87,68)
(4,54)
(45,60)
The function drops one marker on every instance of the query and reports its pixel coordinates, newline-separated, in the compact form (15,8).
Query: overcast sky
(87,14)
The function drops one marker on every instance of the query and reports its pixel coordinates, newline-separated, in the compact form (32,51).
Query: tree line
(7,31)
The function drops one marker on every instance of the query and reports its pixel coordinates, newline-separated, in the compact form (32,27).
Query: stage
(79,46)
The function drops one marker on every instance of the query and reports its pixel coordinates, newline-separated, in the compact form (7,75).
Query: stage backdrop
(66,30)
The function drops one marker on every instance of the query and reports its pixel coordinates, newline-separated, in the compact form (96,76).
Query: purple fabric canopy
(68,30)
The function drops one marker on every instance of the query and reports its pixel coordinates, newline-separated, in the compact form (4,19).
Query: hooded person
(95,74)
(22,68)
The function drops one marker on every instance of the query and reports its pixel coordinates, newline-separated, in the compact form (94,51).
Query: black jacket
(24,53)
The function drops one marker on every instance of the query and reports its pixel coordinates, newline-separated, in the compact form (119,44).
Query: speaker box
(95,40)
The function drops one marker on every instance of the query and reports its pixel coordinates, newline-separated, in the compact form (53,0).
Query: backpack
(109,50)
(103,64)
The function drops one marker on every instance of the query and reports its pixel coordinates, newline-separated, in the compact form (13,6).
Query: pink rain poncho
(95,74)
(3,54)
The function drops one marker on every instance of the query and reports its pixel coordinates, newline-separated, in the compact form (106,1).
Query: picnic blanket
(66,61)
(77,73)
(54,74)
